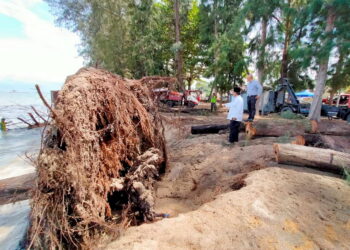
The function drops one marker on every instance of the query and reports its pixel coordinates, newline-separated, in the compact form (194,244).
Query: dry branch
(43,99)
(24,121)
(324,159)
(38,114)
(33,118)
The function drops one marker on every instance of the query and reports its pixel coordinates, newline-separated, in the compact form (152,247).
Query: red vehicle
(173,98)
(343,100)
(343,103)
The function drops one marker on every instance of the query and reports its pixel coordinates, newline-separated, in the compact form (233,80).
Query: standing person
(3,125)
(254,91)
(213,101)
(235,114)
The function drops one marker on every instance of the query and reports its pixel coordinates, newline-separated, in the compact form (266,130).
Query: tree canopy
(221,40)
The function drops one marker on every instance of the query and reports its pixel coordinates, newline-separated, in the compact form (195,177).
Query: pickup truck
(343,103)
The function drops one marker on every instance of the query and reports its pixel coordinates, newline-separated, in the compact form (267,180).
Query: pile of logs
(326,134)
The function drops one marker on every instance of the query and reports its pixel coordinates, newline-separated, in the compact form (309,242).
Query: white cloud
(46,54)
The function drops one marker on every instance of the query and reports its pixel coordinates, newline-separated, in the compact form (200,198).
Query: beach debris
(36,123)
(100,159)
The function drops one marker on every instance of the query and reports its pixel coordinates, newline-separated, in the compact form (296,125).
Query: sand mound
(99,161)
(279,208)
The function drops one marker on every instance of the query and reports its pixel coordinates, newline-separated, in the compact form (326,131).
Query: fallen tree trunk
(213,128)
(273,129)
(16,188)
(338,143)
(208,129)
(331,127)
(324,159)
(296,127)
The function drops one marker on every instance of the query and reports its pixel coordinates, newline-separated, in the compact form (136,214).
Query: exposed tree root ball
(98,163)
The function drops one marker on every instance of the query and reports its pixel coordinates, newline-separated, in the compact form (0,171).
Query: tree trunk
(338,143)
(211,91)
(261,62)
(315,110)
(331,97)
(16,188)
(178,55)
(221,94)
(287,38)
(258,129)
(213,128)
(324,159)
(294,128)
(209,129)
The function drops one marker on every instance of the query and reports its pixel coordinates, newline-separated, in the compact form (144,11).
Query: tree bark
(294,128)
(213,128)
(178,55)
(261,62)
(287,38)
(324,159)
(258,129)
(16,188)
(315,110)
(208,129)
(338,143)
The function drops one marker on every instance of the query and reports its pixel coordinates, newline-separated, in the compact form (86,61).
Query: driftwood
(323,159)
(36,123)
(33,118)
(16,188)
(38,114)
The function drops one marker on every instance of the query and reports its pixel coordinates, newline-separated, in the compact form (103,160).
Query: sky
(33,50)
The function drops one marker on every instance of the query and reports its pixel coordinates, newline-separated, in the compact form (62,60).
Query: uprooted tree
(99,161)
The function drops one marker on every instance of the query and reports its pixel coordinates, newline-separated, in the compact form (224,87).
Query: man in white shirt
(235,114)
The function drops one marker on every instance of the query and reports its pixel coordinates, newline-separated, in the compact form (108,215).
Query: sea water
(15,145)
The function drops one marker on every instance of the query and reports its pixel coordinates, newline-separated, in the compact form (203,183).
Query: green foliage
(291,115)
(222,43)
(220,39)
(347,176)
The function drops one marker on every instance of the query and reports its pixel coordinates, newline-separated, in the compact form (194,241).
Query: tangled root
(99,161)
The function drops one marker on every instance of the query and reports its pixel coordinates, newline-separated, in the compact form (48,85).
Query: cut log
(273,129)
(323,159)
(331,127)
(213,128)
(208,129)
(280,127)
(338,143)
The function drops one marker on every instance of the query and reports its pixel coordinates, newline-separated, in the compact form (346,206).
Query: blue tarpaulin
(304,93)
